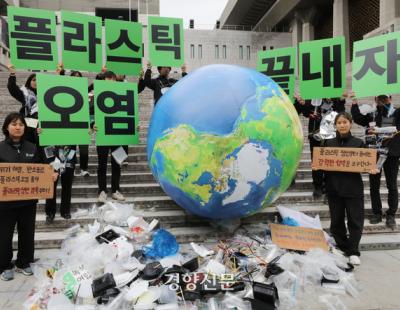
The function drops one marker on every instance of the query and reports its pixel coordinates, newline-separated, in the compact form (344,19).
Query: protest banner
(32,36)
(63,110)
(376,65)
(166,46)
(322,68)
(123,47)
(116,113)
(298,238)
(81,41)
(344,159)
(280,65)
(25,181)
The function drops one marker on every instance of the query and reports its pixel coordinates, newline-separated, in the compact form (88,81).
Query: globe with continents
(224,142)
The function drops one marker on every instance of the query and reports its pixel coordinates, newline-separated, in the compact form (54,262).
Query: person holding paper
(63,159)
(26,95)
(102,156)
(315,110)
(16,149)
(384,118)
(345,193)
(162,83)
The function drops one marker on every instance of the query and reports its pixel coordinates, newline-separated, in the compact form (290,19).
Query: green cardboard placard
(123,47)
(280,65)
(166,46)
(32,35)
(116,113)
(322,68)
(81,41)
(376,65)
(63,110)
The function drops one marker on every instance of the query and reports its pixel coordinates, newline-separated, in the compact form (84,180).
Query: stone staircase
(140,188)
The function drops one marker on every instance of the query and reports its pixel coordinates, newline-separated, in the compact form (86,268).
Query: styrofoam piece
(201,250)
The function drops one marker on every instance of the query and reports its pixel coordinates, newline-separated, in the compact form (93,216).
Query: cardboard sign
(166,47)
(344,159)
(298,238)
(124,47)
(25,181)
(376,65)
(63,110)
(81,41)
(116,113)
(280,65)
(322,68)
(32,35)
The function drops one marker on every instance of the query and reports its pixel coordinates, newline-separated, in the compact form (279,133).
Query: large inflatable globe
(224,142)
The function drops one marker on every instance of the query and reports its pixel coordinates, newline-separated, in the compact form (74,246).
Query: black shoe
(375,219)
(390,221)
(317,193)
(67,216)
(50,218)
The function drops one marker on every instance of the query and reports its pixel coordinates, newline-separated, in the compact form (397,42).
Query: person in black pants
(384,116)
(67,156)
(345,192)
(83,149)
(315,115)
(16,149)
(102,157)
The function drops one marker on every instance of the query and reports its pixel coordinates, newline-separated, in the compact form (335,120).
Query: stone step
(179,217)
(126,177)
(90,190)
(380,241)
(143,166)
(151,195)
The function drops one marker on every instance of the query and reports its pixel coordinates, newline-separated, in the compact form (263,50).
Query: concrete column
(307,18)
(297,30)
(388,10)
(308,31)
(341,23)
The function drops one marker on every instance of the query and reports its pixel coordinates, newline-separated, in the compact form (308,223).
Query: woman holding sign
(345,192)
(15,149)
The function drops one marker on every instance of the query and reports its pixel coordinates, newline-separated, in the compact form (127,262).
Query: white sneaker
(354,260)
(102,197)
(118,196)
(85,173)
(125,163)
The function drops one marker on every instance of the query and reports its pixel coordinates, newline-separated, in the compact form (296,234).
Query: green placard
(124,47)
(63,110)
(32,35)
(81,41)
(166,46)
(280,65)
(116,113)
(322,68)
(376,65)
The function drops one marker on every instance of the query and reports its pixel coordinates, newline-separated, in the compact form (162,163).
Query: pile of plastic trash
(123,262)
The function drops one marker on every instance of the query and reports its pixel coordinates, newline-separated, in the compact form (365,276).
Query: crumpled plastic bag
(164,244)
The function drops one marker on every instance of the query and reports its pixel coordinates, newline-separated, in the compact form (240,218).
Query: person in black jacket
(162,83)
(16,149)
(345,193)
(26,95)
(384,116)
(315,115)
